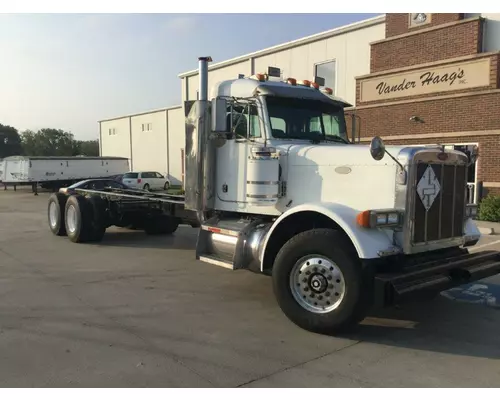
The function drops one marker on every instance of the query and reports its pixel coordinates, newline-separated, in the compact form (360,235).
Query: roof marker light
(305,82)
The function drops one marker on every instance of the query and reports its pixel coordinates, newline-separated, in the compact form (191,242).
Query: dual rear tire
(85,219)
(56,210)
(79,218)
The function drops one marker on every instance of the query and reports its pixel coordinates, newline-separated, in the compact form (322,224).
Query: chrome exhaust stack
(200,152)
(203,76)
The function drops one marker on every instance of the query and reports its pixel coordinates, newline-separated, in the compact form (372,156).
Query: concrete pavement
(137,311)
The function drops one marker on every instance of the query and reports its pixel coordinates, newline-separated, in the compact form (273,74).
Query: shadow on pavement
(440,325)
(183,239)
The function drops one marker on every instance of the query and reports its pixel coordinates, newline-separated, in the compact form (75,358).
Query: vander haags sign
(458,76)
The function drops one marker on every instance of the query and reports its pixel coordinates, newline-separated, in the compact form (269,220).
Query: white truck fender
(367,242)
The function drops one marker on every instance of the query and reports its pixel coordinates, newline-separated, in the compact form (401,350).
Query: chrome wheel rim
(71,218)
(53,214)
(317,284)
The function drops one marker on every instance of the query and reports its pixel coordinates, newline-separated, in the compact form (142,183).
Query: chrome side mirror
(219,116)
(377,148)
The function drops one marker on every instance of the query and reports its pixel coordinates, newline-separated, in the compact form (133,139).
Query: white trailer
(53,172)
(277,188)
(1,170)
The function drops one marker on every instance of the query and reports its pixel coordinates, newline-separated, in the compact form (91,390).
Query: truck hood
(334,155)
(338,173)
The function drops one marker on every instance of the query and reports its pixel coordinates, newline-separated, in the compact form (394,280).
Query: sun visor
(299,92)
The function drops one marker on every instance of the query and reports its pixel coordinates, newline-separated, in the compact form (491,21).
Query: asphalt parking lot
(139,311)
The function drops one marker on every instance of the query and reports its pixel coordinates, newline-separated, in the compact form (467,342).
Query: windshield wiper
(337,139)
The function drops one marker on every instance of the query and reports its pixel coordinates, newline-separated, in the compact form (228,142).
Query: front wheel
(319,283)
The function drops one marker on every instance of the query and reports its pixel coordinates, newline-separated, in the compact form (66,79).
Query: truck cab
(278,188)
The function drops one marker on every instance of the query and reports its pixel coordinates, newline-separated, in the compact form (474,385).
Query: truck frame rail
(117,194)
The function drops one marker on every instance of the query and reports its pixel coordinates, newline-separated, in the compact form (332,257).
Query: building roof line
(294,43)
(141,113)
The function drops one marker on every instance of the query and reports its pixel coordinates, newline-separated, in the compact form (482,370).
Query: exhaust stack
(203,72)
(200,151)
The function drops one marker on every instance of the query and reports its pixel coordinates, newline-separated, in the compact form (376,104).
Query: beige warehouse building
(154,140)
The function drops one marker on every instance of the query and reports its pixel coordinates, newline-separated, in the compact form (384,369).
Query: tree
(48,142)
(88,148)
(10,141)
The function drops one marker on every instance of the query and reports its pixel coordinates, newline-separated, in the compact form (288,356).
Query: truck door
(232,157)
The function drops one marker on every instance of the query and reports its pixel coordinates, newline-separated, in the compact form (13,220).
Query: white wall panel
(351,51)
(214,76)
(149,149)
(117,145)
(176,142)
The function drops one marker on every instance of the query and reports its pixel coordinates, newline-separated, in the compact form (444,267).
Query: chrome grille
(439,202)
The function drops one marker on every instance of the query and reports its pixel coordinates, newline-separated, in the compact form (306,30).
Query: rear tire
(319,283)
(161,225)
(166,186)
(78,219)
(146,187)
(55,211)
(99,218)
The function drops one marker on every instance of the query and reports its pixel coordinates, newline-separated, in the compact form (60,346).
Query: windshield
(305,119)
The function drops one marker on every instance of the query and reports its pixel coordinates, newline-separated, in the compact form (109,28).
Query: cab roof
(248,87)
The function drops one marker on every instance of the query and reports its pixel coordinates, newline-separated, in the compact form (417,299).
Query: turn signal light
(314,85)
(363,219)
(260,77)
(328,90)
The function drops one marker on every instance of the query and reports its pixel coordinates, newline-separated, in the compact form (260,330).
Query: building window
(112,131)
(327,71)
(147,127)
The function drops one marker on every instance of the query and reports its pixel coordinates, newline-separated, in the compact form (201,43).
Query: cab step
(216,261)
(231,243)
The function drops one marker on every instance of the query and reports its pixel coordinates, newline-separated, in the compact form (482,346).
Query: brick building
(433,81)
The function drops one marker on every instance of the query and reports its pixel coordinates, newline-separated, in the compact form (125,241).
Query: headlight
(393,218)
(380,218)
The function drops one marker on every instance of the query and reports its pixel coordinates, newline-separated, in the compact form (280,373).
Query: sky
(68,71)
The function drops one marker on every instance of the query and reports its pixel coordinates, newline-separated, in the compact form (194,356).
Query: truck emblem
(428,188)
(343,170)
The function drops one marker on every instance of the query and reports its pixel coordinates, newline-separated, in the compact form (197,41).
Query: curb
(486,231)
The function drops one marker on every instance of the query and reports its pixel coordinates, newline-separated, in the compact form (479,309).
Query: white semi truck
(276,187)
